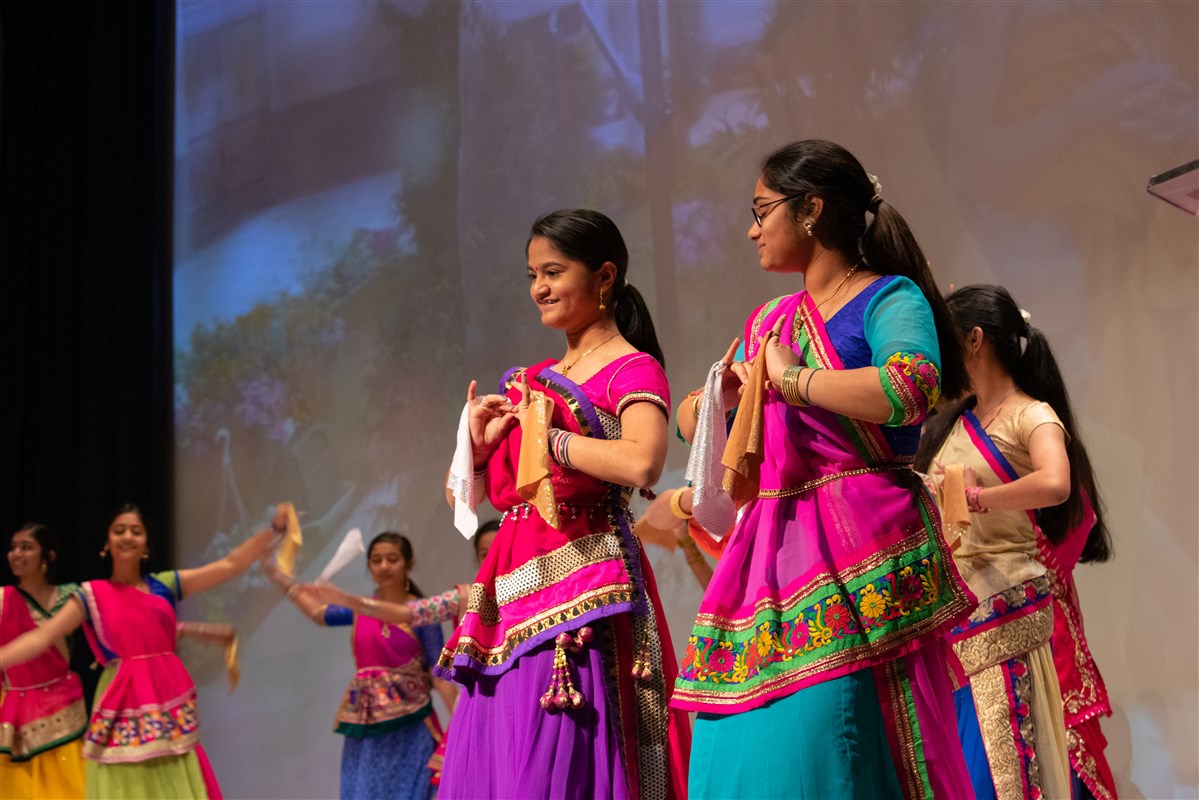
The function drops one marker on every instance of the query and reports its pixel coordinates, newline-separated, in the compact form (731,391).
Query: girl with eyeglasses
(817,663)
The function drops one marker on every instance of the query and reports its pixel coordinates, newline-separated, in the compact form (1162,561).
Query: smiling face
(388,566)
(564,290)
(25,556)
(127,539)
(783,244)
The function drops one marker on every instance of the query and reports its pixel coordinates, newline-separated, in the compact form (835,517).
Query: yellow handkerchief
(955,516)
(533,473)
(292,540)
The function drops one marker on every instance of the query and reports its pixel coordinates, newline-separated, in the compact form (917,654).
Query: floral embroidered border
(144,733)
(912,384)
(834,624)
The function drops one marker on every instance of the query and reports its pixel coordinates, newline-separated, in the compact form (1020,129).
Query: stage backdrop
(355,182)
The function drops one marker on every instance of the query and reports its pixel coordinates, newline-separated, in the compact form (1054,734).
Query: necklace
(993,411)
(805,317)
(567,367)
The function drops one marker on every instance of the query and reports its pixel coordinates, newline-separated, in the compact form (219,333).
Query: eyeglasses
(757,211)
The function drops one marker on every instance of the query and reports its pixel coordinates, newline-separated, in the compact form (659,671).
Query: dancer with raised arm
(386,715)
(143,739)
(42,712)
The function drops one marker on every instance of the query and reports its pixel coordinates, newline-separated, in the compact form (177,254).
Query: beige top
(999,550)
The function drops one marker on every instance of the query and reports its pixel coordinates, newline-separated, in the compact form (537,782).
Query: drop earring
(807,226)
(602,307)
(104,552)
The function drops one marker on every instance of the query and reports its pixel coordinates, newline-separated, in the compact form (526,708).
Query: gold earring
(104,552)
(807,225)
(146,556)
(602,306)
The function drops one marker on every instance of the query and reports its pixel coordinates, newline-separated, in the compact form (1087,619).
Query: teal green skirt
(825,741)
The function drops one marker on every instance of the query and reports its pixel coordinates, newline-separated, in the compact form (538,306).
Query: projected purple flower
(697,231)
(264,405)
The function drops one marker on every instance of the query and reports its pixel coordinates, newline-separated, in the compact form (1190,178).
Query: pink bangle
(972,504)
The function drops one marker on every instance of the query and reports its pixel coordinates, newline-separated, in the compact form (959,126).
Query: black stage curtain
(85,288)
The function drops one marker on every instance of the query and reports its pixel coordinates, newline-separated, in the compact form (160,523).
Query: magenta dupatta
(539,581)
(43,700)
(839,564)
(391,684)
(148,708)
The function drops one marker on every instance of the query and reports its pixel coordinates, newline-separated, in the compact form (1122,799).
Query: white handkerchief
(711,506)
(467,489)
(350,548)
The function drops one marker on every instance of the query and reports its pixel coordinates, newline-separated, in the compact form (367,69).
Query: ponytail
(593,240)
(634,321)
(888,247)
(816,168)
(1024,353)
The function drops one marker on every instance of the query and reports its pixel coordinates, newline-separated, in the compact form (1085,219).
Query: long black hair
(400,541)
(1024,353)
(591,238)
(48,543)
(885,245)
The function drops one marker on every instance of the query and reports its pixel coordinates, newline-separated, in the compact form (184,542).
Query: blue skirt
(825,741)
(388,767)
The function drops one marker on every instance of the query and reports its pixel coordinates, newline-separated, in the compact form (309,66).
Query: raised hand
(779,354)
(490,417)
(733,382)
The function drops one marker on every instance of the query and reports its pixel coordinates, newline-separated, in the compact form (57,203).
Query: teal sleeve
(903,346)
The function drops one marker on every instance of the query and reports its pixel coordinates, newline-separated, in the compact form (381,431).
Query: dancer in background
(564,609)
(484,536)
(42,713)
(143,737)
(386,715)
(817,661)
(1027,482)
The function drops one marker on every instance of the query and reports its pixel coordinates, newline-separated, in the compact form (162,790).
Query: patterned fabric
(912,384)
(1084,693)
(146,703)
(817,582)
(539,581)
(1004,646)
(436,609)
(388,767)
(41,706)
(391,685)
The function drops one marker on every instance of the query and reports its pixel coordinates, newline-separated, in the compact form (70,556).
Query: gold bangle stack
(676,507)
(695,405)
(789,386)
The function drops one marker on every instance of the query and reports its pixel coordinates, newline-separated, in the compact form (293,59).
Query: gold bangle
(293,589)
(695,405)
(789,386)
(676,506)
(369,606)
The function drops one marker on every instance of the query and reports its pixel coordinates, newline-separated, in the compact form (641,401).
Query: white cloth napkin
(711,506)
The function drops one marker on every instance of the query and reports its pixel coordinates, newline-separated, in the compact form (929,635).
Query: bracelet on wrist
(695,405)
(292,590)
(973,505)
(807,388)
(789,386)
(676,505)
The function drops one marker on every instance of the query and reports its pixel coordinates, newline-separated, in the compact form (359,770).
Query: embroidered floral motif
(810,631)
(912,384)
(155,725)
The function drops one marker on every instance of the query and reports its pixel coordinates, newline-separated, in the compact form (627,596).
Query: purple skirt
(502,744)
